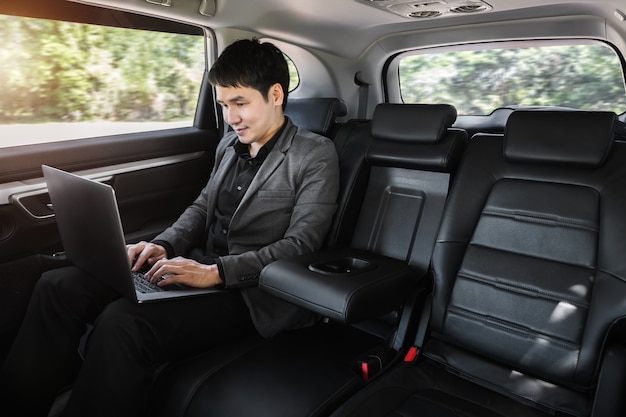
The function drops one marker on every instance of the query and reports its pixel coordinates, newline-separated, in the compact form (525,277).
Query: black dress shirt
(232,190)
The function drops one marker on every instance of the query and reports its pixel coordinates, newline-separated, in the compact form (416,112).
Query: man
(271,195)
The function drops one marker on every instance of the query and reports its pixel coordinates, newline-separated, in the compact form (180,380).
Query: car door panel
(155,176)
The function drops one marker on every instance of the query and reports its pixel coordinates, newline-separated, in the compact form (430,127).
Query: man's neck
(254,147)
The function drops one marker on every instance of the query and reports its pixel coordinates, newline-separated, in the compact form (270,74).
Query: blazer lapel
(273,161)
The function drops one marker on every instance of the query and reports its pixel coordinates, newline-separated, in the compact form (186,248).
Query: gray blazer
(287,211)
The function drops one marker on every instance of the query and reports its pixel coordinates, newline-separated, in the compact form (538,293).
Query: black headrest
(416,136)
(562,137)
(315,114)
(412,122)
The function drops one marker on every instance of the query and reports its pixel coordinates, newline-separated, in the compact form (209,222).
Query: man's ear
(276,94)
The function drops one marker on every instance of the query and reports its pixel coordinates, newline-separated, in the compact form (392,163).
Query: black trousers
(128,342)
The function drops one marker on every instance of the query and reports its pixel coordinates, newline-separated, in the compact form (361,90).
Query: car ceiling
(347,28)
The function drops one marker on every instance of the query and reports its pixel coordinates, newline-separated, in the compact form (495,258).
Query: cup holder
(342,266)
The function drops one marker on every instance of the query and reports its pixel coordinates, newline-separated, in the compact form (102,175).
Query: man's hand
(184,271)
(144,252)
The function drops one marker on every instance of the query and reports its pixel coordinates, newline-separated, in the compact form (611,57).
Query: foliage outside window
(294,78)
(62,80)
(586,77)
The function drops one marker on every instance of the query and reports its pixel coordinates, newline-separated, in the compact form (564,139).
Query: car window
(294,77)
(585,76)
(62,80)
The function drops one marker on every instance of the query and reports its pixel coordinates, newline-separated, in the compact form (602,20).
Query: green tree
(587,77)
(51,70)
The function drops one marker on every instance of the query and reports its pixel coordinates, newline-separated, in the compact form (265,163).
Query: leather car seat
(529,281)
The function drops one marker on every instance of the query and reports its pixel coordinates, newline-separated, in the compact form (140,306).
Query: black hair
(250,63)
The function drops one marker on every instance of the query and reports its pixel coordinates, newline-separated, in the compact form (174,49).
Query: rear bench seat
(311,371)
(529,281)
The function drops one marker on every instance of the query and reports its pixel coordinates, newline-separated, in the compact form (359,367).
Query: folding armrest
(344,285)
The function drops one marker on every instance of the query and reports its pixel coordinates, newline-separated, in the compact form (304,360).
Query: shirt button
(239,188)
(224,231)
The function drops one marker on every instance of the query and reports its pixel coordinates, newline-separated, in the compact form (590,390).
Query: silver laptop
(89,223)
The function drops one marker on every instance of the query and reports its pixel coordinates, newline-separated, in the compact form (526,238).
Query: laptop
(91,231)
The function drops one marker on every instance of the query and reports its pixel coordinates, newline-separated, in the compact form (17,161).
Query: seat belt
(375,362)
(415,350)
(364,90)
(620,130)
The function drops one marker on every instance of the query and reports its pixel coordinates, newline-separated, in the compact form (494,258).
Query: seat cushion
(303,372)
(425,389)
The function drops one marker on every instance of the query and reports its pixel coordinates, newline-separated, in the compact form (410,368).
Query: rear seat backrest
(352,140)
(528,266)
(319,115)
(412,156)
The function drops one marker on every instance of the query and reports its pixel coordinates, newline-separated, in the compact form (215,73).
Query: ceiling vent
(470,8)
(429,9)
(425,14)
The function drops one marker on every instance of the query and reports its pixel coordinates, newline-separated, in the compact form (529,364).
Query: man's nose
(232,116)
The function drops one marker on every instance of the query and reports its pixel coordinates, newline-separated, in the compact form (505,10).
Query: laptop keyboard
(143,285)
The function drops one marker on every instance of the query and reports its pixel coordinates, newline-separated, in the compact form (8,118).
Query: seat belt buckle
(374,363)
(412,354)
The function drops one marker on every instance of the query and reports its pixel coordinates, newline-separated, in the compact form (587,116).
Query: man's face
(252,117)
